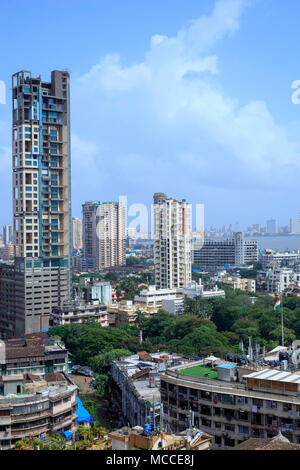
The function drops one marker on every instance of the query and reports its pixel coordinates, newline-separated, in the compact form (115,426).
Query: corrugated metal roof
(275,375)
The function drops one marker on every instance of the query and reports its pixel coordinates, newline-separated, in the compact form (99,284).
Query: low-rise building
(174,306)
(279,280)
(154,297)
(136,380)
(76,312)
(285,259)
(36,354)
(34,405)
(197,290)
(232,403)
(125,311)
(248,285)
(136,438)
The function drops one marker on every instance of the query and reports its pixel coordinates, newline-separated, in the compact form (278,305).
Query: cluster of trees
(208,326)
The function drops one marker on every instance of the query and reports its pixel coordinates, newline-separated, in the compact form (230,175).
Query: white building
(175,306)
(172,243)
(154,297)
(76,233)
(110,236)
(280,279)
(295,226)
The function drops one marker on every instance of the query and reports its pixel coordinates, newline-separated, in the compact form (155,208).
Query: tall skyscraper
(40,278)
(172,243)
(104,234)
(89,212)
(271,226)
(111,236)
(77,233)
(7,234)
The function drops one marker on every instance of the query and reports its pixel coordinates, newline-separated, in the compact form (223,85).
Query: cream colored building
(248,285)
(109,235)
(172,247)
(125,311)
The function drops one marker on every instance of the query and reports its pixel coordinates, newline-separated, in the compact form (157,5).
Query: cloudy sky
(189,98)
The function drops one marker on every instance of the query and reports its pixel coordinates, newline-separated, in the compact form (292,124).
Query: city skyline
(158,100)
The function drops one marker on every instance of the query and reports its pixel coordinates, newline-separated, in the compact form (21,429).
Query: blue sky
(191,98)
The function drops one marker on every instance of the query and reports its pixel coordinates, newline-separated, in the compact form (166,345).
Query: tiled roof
(16,352)
(266,444)
(54,377)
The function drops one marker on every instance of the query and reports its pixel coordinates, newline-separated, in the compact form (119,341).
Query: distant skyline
(189,98)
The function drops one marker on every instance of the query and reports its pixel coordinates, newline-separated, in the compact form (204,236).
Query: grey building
(232,403)
(235,251)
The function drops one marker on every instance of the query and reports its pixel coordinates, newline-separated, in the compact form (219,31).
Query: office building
(216,254)
(41,277)
(172,243)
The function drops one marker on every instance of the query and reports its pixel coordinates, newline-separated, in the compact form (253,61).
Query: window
(243,430)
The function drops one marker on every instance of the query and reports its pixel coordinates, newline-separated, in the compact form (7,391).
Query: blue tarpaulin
(68,434)
(83,414)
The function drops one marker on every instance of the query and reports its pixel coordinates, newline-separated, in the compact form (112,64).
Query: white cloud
(167,122)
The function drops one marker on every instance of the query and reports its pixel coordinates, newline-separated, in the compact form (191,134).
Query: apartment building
(76,233)
(125,311)
(248,285)
(35,354)
(287,259)
(231,403)
(136,385)
(104,235)
(89,211)
(90,289)
(76,312)
(279,280)
(33,405)
(111,236)
(7,234)
(172,243)
(41,201)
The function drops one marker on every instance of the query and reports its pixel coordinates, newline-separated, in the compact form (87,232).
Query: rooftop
(200,371)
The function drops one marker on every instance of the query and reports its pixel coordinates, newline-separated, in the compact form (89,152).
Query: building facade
(216,254)
(75,312)
(233,404)
(76,233)
(172,243)
(104,235)
(41,199)
(89,211)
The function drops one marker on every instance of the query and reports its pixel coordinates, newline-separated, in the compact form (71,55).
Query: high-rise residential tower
(172,243)
(7,234)
(76,233)
(40,278)
(89,211)
(111,236)
(104,234)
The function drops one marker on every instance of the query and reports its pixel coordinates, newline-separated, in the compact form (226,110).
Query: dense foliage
(208,326)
